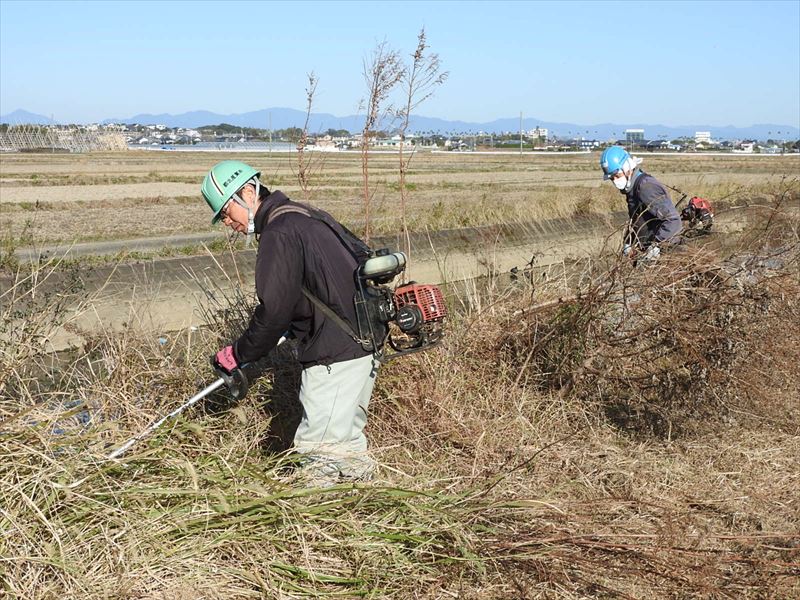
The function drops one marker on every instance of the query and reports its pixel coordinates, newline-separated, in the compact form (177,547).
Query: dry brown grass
(628,451)
(446,190)
(639,439)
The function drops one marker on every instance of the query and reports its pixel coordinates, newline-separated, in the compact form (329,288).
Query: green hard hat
(223,181)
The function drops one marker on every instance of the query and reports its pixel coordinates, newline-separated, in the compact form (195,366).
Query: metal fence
(33,138)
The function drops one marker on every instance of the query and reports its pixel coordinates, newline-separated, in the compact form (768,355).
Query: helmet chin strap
(251,226)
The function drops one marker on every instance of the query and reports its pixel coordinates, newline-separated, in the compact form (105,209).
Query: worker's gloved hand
(653,252)
(626,250)
(225,360)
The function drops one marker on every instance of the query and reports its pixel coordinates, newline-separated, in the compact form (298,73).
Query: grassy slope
(638,441)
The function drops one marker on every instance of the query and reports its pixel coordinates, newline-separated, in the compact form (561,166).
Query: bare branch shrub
(660,349)
(303,161)
(382,71)
(418,84)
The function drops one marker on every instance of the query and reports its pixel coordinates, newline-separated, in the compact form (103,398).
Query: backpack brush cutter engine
(410,318)
(698,215)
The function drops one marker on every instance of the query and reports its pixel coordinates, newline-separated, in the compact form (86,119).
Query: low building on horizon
(634,136)
(703,137)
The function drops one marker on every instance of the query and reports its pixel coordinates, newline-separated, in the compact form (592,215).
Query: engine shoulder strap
(287,208)
(331,314)
(354,245)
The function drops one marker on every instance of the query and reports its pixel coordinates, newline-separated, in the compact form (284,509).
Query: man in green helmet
(302,252)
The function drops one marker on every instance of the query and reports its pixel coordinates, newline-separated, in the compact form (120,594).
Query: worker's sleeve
(279,284)
(661,211)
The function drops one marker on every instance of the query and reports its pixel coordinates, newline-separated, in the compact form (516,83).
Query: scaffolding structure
(39,138)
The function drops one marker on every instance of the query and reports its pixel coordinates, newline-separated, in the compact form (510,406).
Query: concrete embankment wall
(166,296)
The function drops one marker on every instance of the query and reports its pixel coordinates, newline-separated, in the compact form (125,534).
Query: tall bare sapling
(382,71)
(303,160)
(418,84)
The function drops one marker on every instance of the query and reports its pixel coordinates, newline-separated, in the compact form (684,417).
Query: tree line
(292,134)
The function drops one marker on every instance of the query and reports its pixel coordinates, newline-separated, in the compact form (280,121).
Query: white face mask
(620,182)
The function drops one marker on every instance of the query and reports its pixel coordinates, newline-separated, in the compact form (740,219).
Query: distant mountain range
(23,117)
(281,118)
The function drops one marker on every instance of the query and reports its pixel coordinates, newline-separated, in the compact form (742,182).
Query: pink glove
(225,360)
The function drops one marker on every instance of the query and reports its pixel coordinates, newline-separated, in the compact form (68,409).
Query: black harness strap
(328,312)
(287,208)
(357,248)
(361,251)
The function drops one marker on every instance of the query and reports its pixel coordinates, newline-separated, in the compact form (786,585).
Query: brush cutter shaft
(193,400)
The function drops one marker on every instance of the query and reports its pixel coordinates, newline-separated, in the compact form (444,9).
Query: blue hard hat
(612,160)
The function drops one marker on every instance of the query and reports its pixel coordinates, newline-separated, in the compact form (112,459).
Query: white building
(703,137)
(393,142)
(538,132)
(634,135)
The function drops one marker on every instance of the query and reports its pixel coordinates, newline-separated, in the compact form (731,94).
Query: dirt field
(102,198)
(46,199)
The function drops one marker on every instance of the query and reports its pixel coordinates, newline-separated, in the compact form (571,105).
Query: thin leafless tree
(382,72)
(303,160)
(419,82)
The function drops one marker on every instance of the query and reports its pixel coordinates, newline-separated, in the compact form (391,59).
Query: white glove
(652,253)
(626,250)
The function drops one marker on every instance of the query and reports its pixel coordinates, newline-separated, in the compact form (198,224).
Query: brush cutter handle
(235,381)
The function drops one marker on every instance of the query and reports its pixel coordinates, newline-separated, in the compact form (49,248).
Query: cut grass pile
(637,439)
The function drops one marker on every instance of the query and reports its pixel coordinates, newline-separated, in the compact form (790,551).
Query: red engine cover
(428,298)
(700,204)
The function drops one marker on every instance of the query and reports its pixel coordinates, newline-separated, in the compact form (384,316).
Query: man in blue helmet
(654,223)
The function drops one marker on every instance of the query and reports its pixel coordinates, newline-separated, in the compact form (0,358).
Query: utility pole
(270,132)
(520,133)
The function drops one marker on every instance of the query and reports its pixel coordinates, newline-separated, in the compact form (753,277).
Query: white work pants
(335,400)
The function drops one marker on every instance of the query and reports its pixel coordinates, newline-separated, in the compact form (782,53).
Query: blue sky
(673,63)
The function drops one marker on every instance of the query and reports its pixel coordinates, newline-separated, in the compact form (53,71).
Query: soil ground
(47,199)
(168,296)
